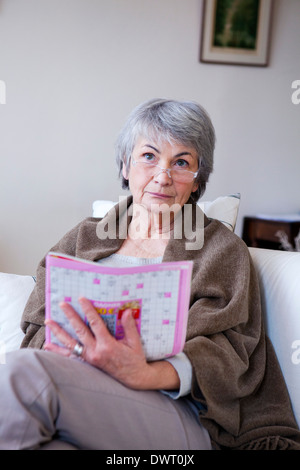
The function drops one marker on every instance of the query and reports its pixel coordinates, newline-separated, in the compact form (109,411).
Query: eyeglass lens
(183,176)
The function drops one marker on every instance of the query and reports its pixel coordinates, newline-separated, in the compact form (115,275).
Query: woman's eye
(182,163)
(149,157)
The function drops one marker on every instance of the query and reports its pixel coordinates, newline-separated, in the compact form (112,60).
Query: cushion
(279,276)
(14,292)
(224,208)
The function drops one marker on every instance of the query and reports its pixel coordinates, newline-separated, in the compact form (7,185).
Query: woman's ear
(195,186)
(125,173)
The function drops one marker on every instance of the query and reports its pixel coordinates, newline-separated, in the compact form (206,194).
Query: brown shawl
(236,375)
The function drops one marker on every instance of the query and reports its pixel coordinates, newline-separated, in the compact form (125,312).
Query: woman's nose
(163,176)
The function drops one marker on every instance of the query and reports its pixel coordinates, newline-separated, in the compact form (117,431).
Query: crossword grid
(158,311)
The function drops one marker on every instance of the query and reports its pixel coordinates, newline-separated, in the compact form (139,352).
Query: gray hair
(184,122)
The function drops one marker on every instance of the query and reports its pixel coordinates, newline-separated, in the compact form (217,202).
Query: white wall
(73,70)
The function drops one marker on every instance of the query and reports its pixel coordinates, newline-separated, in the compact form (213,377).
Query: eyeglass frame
(167,170)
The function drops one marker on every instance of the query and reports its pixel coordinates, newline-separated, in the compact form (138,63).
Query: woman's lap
(45,395)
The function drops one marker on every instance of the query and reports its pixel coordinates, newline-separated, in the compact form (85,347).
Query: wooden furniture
(261,232)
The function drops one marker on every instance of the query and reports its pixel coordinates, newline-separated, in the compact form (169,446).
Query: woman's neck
(148,233)
(153,225)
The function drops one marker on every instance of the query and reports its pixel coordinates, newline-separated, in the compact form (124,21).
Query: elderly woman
(225,390)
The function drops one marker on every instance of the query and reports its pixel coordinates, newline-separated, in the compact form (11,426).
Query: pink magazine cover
(158,294)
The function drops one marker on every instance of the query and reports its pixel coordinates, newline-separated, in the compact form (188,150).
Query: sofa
(279,278)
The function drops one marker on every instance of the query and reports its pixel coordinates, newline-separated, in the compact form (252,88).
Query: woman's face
(154,190)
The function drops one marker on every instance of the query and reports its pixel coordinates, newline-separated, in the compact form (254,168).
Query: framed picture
(236,32)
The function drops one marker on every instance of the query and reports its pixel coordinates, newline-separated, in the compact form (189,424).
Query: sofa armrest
(14,292)
(279,277)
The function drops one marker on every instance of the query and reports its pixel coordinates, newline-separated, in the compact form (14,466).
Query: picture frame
(236,32)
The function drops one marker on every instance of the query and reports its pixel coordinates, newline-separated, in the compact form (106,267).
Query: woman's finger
(95,321)
(61,335)
(81,330)
(131,334)
(63,351)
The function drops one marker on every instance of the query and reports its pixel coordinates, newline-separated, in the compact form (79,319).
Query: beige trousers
(46,398)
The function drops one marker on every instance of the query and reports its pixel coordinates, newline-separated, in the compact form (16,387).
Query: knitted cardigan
(236,375)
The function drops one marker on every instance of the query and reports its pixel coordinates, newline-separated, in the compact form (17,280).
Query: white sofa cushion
(279,276)
(224,208)
(14,292)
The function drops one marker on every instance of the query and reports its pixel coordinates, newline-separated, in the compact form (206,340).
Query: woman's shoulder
(219,240)
(83,233)
(86,224)
(217,231)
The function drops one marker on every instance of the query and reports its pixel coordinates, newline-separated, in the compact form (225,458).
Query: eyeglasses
(177,174)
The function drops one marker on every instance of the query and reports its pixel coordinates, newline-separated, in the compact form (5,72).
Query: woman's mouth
(160,195)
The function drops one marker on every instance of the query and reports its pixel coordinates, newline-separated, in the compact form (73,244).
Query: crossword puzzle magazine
(158,295)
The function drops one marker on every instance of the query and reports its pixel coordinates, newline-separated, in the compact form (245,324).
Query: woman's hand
(122,359)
